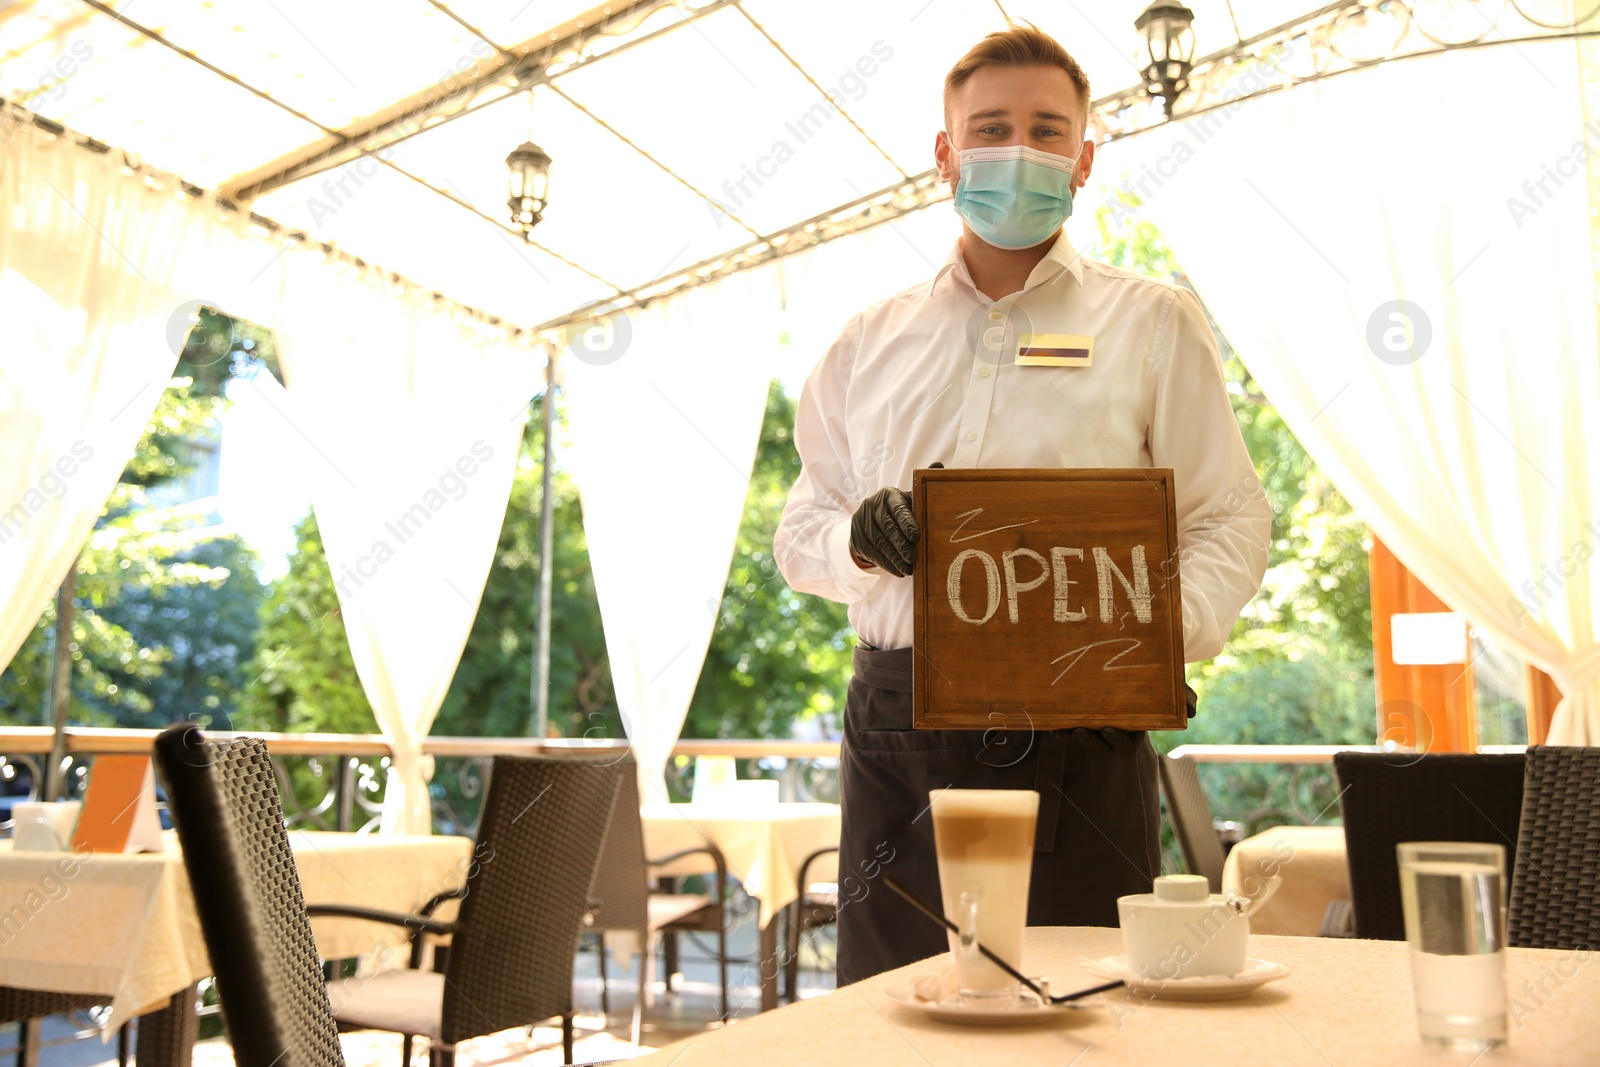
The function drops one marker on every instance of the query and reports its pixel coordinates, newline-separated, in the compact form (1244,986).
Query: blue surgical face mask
(1014,196)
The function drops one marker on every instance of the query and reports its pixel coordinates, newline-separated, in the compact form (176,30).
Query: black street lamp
(1168,30)
(529,167)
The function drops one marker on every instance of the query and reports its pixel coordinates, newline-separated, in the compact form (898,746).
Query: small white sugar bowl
(1183,930)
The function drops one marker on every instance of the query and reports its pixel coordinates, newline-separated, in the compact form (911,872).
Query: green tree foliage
(220,348)
(163,610)
(306,680)
(208,628)
(303,678)
(492,692)
(776,657)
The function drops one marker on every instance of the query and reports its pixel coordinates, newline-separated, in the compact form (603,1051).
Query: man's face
(1036,106)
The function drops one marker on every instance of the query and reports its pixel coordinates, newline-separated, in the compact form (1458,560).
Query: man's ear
(1085,165)
(944,156)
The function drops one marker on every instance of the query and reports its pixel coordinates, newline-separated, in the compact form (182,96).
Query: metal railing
(336,781)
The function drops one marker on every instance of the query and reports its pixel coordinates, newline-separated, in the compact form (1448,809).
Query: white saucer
(1024,1010)
(1208,987)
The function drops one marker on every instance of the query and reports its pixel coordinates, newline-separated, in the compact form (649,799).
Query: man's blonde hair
(1022,45)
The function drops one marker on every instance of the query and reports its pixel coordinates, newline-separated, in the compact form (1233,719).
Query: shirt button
(984,372)
(972,436)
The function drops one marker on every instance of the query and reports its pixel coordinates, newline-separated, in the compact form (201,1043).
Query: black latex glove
(883,531)
(1123,742)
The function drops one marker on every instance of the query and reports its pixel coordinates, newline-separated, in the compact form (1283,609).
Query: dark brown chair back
(621,886)
(543,825)
(1555,893)
(224,803)
(1390,797)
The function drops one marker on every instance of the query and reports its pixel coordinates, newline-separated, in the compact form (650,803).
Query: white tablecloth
(124,926)
(1310,860)
(764,845)
(1346,1003)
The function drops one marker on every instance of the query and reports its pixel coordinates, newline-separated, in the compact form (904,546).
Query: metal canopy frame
(1301,50)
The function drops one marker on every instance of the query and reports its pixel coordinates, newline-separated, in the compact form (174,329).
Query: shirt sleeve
(1224,518)
(812,543)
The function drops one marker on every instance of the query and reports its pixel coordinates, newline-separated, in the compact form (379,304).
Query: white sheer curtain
(1463,422)
(413,416)
(664,409)
(94,267)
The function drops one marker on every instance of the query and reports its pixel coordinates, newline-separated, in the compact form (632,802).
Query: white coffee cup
(44,827)
(1183,930)
(984,844)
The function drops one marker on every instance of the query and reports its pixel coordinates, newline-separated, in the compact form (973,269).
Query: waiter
(917,380)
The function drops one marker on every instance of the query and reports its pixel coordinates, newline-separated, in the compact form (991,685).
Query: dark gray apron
(1098,828)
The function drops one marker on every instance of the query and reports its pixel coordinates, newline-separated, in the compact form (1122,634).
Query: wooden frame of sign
(1047,599)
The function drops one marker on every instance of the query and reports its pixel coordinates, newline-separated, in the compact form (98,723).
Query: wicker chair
(522,911)
(813,909)
(1387,798)
(625,901)
(1555,893)
(1192,821)
(224,803)
(26,1007)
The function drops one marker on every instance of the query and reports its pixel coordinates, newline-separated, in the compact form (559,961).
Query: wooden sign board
(1047,599)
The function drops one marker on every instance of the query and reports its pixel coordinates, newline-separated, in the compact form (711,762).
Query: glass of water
(1454,899)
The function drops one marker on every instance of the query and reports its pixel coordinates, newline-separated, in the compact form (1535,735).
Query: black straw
(938,917)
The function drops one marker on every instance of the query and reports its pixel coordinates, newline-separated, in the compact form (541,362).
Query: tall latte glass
(984,840)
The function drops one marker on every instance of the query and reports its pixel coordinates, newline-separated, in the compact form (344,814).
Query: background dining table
(124,925)
(1345,1003)
(1311,861)
(764,845)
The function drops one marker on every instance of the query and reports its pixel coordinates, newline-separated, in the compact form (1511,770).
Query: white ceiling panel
(610,209)
(336,62)
(395,223)
(104,80)
(722,108)
(508,23)
(886,60)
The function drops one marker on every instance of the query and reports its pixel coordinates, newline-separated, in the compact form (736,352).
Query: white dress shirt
(927,376)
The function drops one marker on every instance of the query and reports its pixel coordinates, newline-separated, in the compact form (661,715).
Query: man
(917,380)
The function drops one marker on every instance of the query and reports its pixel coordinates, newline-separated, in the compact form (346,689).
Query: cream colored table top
(1346,1003)
(763,844)
(1311,862)
(125,925)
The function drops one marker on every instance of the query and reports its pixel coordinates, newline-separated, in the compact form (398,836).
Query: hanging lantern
(1168,54)
(529,167)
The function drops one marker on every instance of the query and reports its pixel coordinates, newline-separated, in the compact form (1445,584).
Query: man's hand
(884,533)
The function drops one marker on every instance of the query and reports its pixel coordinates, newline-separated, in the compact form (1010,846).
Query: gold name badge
(1055,350)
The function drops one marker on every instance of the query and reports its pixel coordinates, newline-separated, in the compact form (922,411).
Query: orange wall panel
(1429,707)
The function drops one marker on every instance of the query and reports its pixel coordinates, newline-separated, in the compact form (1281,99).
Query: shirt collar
(951,262)
(1062,256)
